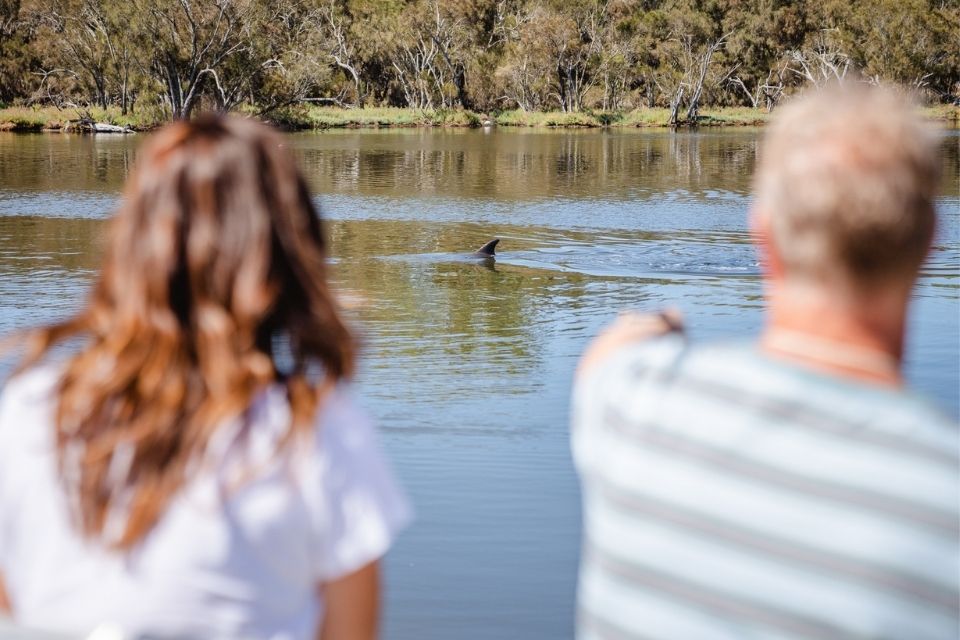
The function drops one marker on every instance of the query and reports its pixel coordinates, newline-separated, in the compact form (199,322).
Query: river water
(468,366)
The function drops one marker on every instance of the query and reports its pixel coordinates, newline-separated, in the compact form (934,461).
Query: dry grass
(944,112)
(518,118)
(39,118)
(316,117)
(643,117)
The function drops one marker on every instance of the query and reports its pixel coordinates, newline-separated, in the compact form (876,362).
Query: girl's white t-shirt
(240,550)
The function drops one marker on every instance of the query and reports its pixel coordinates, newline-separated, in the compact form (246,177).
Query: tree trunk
(606,90)
(693,112)
(354,76)
(174,90)
(562,88)
(100,86)
(675,106)
(460,80)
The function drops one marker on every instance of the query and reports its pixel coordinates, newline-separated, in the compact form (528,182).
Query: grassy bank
(645,117)
(315,117)
(53,119)
(330,117)
(943,112)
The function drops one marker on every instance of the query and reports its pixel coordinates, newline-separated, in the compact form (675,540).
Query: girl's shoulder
(340,417)
(33,385)
(26,403)
(341,440)
(354,502)
(344,437)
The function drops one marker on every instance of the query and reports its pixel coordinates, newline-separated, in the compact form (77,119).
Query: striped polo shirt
(729,495)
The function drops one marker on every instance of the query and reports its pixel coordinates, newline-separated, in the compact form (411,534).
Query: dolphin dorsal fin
(488,250)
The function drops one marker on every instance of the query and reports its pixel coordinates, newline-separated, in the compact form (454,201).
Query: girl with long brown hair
(195,467)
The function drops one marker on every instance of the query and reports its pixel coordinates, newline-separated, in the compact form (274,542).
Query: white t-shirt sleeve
(357,508)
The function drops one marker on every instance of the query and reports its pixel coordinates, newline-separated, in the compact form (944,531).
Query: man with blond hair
(792,488)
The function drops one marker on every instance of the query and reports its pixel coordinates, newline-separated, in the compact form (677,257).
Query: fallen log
(86,125)
(103,127)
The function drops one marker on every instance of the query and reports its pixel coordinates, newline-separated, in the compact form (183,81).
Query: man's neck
(862,341)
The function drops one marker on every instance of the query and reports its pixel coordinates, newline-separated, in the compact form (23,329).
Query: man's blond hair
(848,176)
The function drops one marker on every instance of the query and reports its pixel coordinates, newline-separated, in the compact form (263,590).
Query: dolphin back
(488,250)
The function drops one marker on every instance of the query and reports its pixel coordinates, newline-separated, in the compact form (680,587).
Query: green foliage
(602,62)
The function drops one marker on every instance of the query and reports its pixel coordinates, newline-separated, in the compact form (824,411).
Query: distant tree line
(483,55)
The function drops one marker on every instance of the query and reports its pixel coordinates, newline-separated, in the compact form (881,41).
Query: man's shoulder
(736,380)
(760,383)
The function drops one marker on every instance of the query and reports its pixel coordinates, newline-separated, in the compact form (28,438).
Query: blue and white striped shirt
(728,495)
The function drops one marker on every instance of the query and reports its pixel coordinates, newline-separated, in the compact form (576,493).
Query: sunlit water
(468,365)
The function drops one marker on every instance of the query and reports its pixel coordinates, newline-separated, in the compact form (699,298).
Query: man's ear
(762,234)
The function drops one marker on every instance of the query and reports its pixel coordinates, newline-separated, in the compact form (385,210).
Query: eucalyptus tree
(412,54)
(570,36)
(618,56)
(341,47)
(475,54)
(17,49)
(75,37)
(9,18)
(761,37)
(189,42)
(915,43)
(455,44)
(526,67)
(687,54)
(286,65)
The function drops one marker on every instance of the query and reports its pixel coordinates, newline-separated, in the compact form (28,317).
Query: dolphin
(488,250)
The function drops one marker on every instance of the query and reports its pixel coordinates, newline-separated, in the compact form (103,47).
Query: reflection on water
(467,364)
(526,165)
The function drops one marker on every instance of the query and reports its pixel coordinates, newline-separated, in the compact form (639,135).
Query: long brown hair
(215,258)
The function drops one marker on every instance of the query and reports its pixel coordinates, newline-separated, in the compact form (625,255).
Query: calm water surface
(468,367)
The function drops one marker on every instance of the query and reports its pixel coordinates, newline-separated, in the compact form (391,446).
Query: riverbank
(331,117)
(315,117)
(53,119)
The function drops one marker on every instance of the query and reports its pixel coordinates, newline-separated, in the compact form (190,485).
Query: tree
(17,54)
(688,54)
(335,28)
(524,73)
(74,35)
(477,54)
(190,41)
(569,41)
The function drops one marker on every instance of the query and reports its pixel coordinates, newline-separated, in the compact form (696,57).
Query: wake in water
(682,254)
